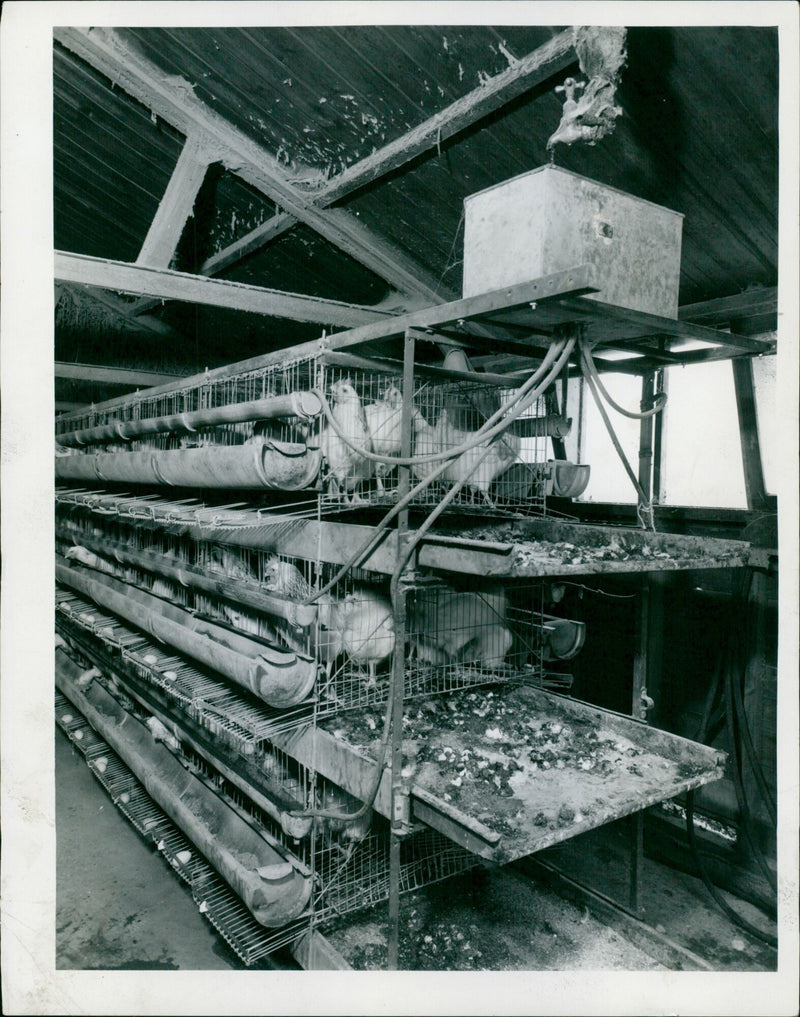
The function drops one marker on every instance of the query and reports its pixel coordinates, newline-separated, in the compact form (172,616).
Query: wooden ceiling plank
(169,285)
(175,102)
(175,207)
(534,68)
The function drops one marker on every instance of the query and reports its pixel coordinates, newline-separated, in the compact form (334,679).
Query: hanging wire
(602,593)
(723,685)
(561,355)
(560,350)
(644,508)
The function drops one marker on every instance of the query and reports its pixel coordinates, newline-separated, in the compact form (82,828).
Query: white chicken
(453,626)
(384,423)
(365,622)
(285,579)
(479,466)
(347,468)
(86,557)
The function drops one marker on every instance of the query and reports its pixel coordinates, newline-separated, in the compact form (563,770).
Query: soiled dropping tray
(506,771)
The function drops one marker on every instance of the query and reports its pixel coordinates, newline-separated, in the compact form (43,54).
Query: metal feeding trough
(558,478)
(565,638)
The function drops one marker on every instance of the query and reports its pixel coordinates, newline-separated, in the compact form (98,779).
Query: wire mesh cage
(497,471)
(462,433)
(354,873)
(470,631)
(347,858)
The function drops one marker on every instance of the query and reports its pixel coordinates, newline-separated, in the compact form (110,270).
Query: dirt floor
(119,906)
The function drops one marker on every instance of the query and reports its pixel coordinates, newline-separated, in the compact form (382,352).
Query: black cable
(735,917)
(739,708)
(722,685)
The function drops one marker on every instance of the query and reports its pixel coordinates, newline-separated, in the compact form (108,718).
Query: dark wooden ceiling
(699,135)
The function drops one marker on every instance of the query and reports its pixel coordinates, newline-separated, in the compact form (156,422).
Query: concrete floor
(120,906)
(118,903)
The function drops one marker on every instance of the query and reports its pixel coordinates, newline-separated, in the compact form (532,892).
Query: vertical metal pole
(636,857)
(646,438)
(640,661)
(659,441)
(399,799)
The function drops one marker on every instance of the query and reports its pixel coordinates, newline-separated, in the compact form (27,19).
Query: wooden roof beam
(736,308)
(173,99)
(176,206)
(113,375)
(169,285)
(525,74)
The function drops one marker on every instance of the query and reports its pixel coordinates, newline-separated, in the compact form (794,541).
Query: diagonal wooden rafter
(176,206)
(525,74)
(173,99)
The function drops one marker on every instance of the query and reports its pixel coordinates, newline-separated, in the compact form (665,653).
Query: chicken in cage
(354,636)
(473,632)
(459,437)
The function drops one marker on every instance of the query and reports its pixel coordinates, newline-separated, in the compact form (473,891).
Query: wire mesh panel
(498,472)
(470,632)
(292,375)
(500,463)
(216,901)
(354,874)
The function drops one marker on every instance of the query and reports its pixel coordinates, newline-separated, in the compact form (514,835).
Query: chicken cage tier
(520,548)
(502,770)
(336,432)
(342,868)
(292,632)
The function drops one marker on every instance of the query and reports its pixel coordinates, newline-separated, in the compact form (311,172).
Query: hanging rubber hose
(496,424)
(723,685)
(741,714)
(591,368)
(644,506)
(735,917)
(562,352)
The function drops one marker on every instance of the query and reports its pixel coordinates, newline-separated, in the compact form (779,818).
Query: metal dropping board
(509,770)
(551,219)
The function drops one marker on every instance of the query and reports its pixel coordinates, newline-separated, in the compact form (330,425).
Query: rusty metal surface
(603,766)
(550,219)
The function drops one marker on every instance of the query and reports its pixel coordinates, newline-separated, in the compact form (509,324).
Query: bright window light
(702,452)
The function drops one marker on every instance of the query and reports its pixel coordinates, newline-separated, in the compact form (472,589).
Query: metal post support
(399,797)
(640,661)
(659,438)
(646,441)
